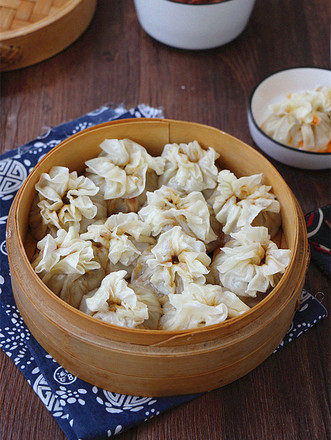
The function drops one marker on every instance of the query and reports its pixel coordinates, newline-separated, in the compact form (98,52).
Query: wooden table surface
(116,62)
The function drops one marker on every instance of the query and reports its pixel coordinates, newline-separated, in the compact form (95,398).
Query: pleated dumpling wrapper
(302,120)
(250,262)
(244,201)
(65,199)
(124,236)
(188,167)
(121,169)
(198,306)
(176,259)
(166,207)
(147,295)
(67,265)
(117,303)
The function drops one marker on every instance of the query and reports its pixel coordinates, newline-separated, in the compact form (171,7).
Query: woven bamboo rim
(16,16)
(29,29)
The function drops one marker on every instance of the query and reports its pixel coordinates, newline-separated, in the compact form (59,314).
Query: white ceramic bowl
(273,89)
(194,26)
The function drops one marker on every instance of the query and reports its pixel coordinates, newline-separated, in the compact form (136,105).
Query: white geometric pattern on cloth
(38,147)
(117,403)
(81,126)
(146,111)
(150,414)
(63,377)
(117,430)
(15,337)
(3,248)
(12,175)
(10,342)
(43,390)
(298,328)
(66,395)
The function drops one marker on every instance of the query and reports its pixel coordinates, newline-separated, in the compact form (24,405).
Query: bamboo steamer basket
(148,362)
(34,30)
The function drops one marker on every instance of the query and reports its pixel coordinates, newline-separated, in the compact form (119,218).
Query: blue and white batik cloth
(83,411)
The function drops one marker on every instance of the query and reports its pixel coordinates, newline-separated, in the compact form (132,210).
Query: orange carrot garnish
(316,120)
(325,150)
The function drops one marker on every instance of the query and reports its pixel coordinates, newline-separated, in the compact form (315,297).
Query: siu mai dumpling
(124,236)
(121,170)
(176,259)
(167,207)
(146,294)
(65,199)
(188,167)
(250,262)
(125,205)
(67,265)
(302,120)
(244,201)
(115,302)
(198,306)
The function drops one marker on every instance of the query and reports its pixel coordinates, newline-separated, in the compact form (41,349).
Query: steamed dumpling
(302,120)
(65,199)
(125,205)
(243,202)
(166,208)
(176,259)
(146,294)
(188,167)
(121,169)
(67,265)
(117,303)
(124,236)
(198,306)
(250,262)
(101,215)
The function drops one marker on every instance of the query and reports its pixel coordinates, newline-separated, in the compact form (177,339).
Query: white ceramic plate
(273,89)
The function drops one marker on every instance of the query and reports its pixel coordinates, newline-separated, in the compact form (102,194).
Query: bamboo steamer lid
(147,362)
(34,30)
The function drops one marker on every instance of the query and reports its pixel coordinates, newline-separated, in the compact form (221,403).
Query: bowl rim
(170,333)
(251,115)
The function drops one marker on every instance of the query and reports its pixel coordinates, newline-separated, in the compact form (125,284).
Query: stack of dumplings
(160,243)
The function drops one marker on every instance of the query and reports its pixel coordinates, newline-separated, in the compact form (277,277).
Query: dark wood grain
(116,62)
